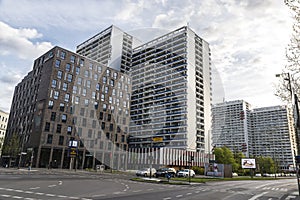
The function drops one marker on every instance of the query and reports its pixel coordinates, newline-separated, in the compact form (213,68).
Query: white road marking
(51,186)
(290,197)
(167,198)
(16,197)
(62,196)
(259,195)
(34,188)
(5,195)
(178,196)
(99,195)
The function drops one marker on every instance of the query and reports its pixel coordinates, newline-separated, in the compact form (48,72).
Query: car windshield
(145,169)
(186,170)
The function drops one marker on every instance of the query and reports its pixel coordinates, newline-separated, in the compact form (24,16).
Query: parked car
(186,172)
(162,172)
(146,172)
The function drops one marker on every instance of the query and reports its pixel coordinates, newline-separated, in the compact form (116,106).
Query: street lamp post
(294,100)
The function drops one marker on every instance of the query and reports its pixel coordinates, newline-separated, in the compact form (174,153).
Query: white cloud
(19,42)
(247,38)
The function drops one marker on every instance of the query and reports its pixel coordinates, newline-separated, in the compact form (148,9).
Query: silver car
(146,172)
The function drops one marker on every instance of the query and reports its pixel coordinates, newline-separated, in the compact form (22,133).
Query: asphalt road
(61,185)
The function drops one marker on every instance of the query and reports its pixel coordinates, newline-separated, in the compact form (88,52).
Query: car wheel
(145,175)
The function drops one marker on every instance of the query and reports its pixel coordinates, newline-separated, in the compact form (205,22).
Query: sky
(248,38)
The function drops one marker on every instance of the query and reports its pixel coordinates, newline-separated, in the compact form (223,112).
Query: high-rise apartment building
(231,125)
(3,127)
(267,132)
(171,99)
(111,47)
(273,134)
(68,97)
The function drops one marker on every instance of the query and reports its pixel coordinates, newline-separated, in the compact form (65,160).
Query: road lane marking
(290,197)
(167,198)
(17,197)
(51,186)
(6,195)
(257,196)
(178,196)
(34,188)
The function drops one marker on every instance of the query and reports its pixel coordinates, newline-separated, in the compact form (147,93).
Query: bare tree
(290,77)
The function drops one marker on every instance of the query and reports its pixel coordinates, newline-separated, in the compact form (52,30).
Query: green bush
(198,170)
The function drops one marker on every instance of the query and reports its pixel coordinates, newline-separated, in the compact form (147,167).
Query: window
(61,140)
(102,97)
(86,73)
(72,59)
(82,111)
(110,100)
(77,100)
(109,117)
(86,102)
(91,66)
(49,139)
(84,122)
(70,77)
(50,104)
(59,74)
(112,82)
(90,133)
(47,126)
(115,75)
(111,127)
(83,92)
(57,63)
(54,83)
(67,97)
(98,86)
(56,95)
(101,115)
(93,95)
(53,116)
(103,125)
(77,70)
(69,130)
(65,87)
(94,124)
(81,62)
(58,128)
(114,92)
(95,77)
(79,81)
(68,67)
(88,84)
(92,113)
(74,89)
(104,79)
(62,55)
(62,107)
(104,107)
(64,118)
(106,89)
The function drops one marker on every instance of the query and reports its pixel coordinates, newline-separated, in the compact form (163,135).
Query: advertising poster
(248,163)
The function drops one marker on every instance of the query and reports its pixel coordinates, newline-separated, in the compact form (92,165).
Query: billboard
(248,163)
